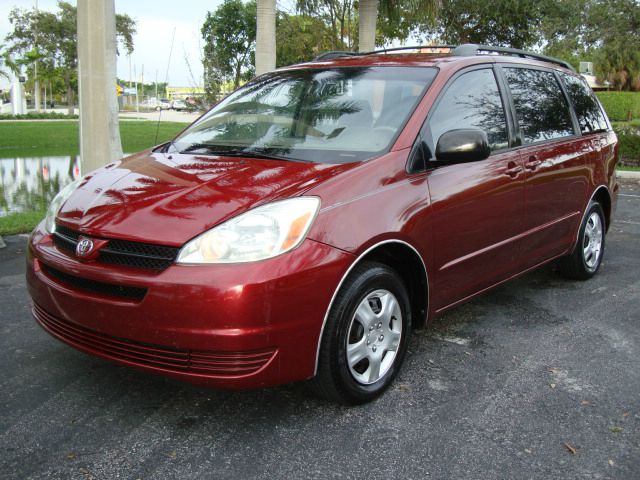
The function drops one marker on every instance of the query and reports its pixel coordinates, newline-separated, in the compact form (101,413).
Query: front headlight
(56,203)
(263,232)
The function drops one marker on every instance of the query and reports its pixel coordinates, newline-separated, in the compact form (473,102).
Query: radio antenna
(166,82)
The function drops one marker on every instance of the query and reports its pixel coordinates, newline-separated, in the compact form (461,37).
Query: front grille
(217,364)
(121,252)
(93,286)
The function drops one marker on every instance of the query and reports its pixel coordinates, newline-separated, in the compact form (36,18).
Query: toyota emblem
(84,247)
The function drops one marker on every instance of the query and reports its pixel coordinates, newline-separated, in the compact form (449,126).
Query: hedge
(620,106)
(38,116)
(629,147)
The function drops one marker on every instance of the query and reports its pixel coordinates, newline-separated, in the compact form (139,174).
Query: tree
(230,37)
(405,13)
(300,38)
(3,73)
(265,36)
(505,23)
(606,32)
(51,39)
(338,15)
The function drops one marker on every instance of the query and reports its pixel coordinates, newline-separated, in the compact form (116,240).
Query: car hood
(169,199)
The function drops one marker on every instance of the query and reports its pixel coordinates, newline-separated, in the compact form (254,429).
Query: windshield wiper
(211,149)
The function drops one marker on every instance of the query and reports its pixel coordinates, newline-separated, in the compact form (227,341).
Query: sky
(156,22)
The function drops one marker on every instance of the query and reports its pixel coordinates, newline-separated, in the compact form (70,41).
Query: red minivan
(303,226)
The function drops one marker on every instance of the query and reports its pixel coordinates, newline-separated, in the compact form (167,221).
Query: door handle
(532,163)
(513,169)
(598,144)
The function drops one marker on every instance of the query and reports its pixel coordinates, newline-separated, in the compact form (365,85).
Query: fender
(346,274)
(584,212)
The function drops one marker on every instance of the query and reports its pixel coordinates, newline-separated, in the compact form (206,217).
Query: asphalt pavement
(539,378)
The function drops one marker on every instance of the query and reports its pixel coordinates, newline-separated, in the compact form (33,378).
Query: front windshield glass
(336,115)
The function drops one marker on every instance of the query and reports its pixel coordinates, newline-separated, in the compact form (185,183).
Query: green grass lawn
(19,222)
(36,139)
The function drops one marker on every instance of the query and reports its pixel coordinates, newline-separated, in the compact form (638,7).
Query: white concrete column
(99,132)
(18,100)
(265,36)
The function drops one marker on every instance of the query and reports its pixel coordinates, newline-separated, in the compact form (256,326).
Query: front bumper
(231,326)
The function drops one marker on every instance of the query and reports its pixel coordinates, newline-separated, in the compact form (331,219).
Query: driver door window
(472,101)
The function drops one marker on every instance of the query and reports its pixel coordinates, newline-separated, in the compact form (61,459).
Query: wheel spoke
(389,306)
(357,351)
(394,341)
(374,368)
(365,315)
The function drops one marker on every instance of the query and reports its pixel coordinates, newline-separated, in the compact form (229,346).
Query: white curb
(628,174)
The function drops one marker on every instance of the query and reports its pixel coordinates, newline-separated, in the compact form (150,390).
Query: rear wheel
(365,338)
(586,258)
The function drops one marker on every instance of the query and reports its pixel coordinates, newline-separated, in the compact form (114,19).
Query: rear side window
(587,109)
(541,107)
(472,101)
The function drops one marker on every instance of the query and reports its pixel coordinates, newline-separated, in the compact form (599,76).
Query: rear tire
(584,262)
(366,335)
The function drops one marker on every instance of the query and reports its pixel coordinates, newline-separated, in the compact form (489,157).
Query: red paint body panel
(475,225)
(277,303)
(169,199)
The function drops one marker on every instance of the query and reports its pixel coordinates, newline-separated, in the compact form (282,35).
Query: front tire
(584,262)
(366,336)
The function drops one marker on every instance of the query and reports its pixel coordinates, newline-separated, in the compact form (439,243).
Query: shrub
(620,106)
(38,116)
(629,148)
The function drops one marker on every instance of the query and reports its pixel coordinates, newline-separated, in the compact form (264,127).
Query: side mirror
(462,145)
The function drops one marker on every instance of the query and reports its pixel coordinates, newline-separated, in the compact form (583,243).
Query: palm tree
(265,36)
(2,61)
(368,13)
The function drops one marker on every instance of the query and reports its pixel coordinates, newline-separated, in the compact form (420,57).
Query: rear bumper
(226,326)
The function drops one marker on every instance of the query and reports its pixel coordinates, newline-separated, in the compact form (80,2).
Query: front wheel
(585,260)
(366,335)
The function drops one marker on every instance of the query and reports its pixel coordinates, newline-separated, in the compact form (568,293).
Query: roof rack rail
(471,49)
(415,47)
(336,54)
(464,50)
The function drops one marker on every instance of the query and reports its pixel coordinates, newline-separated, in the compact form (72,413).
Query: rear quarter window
(588,111)
(541,107)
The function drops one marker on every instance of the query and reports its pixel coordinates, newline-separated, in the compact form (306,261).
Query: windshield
(336,115)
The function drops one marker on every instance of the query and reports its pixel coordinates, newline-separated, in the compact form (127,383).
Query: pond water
(30,183)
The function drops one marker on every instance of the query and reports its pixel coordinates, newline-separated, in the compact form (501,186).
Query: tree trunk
(70,96)
(265,36)
(368,13)
(236,80)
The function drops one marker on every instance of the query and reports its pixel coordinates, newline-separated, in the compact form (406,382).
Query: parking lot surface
(539,378)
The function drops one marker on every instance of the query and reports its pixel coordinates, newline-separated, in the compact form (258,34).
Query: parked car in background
(179,105)
(307,223)
(163,104)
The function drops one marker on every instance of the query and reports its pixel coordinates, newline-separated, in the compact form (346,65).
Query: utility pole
(99,130)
